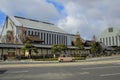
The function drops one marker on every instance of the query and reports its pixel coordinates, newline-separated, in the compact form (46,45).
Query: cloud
(36,9)
(90,17)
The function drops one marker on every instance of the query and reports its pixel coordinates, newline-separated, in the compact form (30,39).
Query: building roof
(34,24)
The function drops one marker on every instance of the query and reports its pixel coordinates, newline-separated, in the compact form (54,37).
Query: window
(113,41)
(38,34)
(50,39)
(32,33)
(41,35)
(35,33)
(47,38)
(110,29)
(55,38)
(28,32)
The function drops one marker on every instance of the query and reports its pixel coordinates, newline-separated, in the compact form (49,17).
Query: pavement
(31,63)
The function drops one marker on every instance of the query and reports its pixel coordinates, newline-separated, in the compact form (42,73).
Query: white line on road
(113,74)
(17,71)
(101,67)
(84,73)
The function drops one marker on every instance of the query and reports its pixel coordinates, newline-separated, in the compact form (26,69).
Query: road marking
(113,74)
(17,71)
(100,67)
(84,73)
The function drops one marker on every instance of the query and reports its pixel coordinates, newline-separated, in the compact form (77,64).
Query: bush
(80,58)
(46,59)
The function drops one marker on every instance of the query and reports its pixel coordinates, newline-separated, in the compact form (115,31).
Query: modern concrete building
(110,36)
(17,30)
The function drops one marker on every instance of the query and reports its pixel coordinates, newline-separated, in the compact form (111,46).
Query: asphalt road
(93,69)
(78,72)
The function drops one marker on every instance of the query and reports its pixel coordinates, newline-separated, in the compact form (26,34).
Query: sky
(88,17)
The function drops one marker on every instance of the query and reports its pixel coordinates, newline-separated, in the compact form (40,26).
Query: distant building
(110,36)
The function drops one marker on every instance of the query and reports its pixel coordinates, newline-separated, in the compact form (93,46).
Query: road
(82,72)
(63,71)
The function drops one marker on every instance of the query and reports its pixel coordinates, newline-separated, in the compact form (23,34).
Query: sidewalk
(59,64)
(30,61)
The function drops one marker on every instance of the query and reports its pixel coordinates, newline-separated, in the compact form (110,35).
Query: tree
(58,48)
(78,41)
(54,49)
(29,48)
(96,48)
(62,47)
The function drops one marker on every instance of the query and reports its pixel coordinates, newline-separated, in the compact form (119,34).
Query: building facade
(17,29)
(110,36)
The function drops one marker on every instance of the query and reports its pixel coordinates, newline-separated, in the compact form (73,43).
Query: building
(110,36)
(17,29)
(43,35)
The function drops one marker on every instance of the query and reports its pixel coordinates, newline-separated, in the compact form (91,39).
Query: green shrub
(46,59)
(80,58)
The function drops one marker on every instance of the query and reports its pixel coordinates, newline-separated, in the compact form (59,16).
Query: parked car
(66,58)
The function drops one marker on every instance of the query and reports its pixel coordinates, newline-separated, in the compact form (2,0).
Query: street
(62,71)
(86,72)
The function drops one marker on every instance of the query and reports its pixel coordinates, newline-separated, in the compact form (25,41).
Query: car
(66,58)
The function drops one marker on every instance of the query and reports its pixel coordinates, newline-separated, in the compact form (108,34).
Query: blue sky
(57,5)
(88,17)
(2,17)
